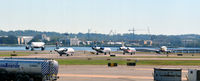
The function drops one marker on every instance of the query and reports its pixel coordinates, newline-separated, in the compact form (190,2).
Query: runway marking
(109,76)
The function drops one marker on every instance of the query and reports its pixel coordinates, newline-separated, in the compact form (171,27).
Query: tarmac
(105,73)
(119,73)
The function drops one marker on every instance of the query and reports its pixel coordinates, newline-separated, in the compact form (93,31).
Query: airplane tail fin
(123,44)
(57,45)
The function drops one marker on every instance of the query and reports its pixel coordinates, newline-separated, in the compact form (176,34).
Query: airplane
(127,50)
(67,51)
(61,51)
(163,49)
(104,50)
(36,45)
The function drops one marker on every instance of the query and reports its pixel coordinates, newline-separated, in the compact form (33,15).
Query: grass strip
(124,62)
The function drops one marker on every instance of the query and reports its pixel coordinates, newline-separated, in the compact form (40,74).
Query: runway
(104,73)
(118,56)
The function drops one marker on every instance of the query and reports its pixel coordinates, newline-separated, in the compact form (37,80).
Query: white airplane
(67,51)
(163,49)
(128,50)
(104,50)
(36,45)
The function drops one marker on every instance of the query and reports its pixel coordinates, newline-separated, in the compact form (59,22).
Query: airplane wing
(185,50)
(172,50)
(147,49)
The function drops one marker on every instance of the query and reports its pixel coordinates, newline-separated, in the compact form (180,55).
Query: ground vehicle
(28,69)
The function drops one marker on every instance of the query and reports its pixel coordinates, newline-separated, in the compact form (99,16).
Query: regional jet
(36,45)
(128,50)
(161,50)
(66,51)
(104,50)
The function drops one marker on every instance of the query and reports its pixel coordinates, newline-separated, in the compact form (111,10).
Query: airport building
(114,43)
(140,42)
(44,37)
(74,41)
(24,39)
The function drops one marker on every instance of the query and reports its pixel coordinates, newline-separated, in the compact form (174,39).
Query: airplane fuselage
(36,45)
(128,50)
(67,51)
(104,50)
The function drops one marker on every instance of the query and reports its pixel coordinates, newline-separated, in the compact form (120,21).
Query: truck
(167,74)
(28,69)
(193,75)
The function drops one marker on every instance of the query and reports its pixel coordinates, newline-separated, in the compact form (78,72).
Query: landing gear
(27,47)
(32,49)
(123,53)
(42,48)
(97,53)
(104,53)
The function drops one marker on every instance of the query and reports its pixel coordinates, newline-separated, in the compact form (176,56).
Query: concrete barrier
(131,64)
(13,54)
(89,58)
(128,59)
(112,55)
(108,59)
(112,64)
(179,54)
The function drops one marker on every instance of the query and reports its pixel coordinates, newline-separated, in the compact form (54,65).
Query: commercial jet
(161,50)
(66,51)
(128,50)
(104,50)
(36,45)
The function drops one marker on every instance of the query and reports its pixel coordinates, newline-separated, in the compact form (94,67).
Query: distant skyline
(169,17)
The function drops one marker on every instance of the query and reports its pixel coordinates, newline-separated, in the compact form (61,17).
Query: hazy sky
(162,16)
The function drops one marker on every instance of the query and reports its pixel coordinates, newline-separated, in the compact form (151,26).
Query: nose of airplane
(102,48)
(93,47)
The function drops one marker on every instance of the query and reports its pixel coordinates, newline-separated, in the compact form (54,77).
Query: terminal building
(74,41)
(24,39)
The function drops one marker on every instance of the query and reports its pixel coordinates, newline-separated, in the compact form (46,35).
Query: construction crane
(149,32)
(133,32)
(89,30)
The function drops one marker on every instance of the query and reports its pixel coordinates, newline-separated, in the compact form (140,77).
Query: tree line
(187,40)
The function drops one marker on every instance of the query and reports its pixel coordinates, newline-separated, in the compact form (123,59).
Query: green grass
(19,53)
(123,62)
(3,55)
(157,57)
(87,62)
(169,62)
